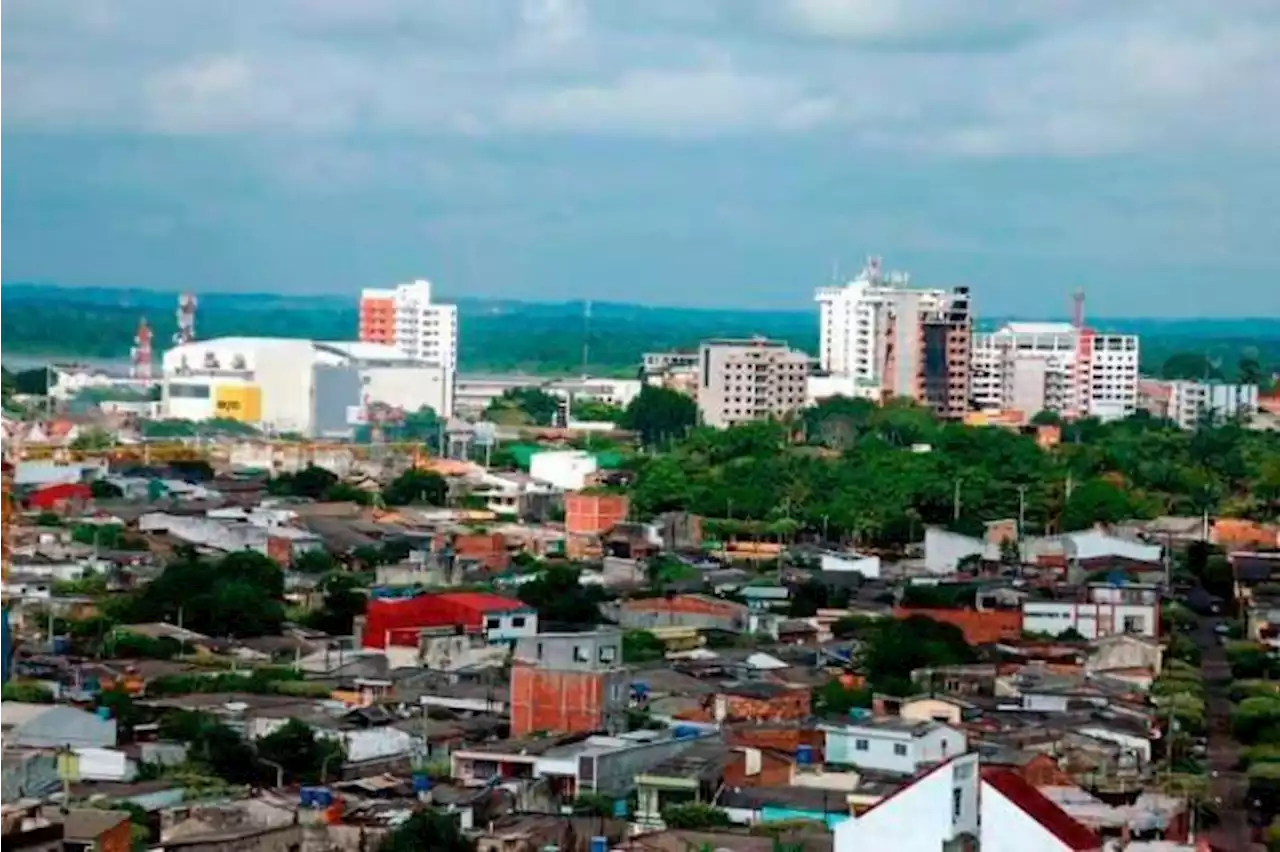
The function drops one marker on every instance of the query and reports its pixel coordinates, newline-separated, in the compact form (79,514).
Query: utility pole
(1022,511)
(955,500)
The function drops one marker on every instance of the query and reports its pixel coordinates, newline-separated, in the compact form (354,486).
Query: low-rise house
(891,744)
(760,701)
(692,610)
(694,775)
(54,726)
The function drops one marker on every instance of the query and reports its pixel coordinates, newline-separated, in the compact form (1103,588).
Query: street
(1229,786)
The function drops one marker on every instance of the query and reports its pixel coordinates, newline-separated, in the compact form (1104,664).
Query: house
(1124,652)
(692,610)
(761,701)
(961,805)
(694,775)
(54,726)
(864,566)
(575,765)
(93,830)
(569,683)
(495,617)
(979,626)
(56,498)
(1091,620)
(937,809)
(891,744)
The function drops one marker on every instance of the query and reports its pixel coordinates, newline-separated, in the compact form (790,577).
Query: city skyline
(700,155)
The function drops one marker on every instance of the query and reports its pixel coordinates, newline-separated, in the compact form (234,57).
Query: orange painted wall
(978,627)
(564,702)
(378,321)
(594,514)
(116,839)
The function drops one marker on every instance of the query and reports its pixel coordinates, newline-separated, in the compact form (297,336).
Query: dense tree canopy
(523,407)
(241,594)
(660,415)
(877,474)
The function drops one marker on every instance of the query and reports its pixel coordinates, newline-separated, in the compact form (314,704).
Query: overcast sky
(693,152)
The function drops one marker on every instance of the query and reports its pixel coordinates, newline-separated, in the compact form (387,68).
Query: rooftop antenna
(1077,316)
(186,319)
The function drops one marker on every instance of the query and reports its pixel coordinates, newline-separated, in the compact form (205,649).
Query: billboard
(238,402)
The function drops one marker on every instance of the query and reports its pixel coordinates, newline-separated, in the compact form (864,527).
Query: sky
(711,153)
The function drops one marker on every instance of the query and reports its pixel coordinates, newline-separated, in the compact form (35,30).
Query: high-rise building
(907,341)
(1055,366)
(1191,403)
(407,318)
(852,317)
(569,683)
(926,347)
(744,380)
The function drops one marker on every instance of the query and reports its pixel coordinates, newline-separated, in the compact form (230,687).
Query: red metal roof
(51,495)
(1034,804)
(482,602)
(466,610)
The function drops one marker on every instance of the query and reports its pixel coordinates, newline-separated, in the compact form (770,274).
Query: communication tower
(186,319)
(140,354)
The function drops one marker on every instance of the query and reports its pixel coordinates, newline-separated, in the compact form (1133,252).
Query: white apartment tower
(852,319)
(407,318)
(1055,366)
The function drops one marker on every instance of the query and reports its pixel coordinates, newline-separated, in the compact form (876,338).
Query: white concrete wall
(567,470)
(921,817)
(1008,828)
(411,387)
(867,566)
(1089,620)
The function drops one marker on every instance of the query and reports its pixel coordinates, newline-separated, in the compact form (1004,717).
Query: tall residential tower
(405,317)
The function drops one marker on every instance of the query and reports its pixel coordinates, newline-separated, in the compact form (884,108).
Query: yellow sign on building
(238,402)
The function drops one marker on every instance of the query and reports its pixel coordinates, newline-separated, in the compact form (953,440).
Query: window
(957,803)
(1134,624)
(861,745)
(900,749)
(492,623)
(608,653)
(580,654)
(517,621)
(964,771)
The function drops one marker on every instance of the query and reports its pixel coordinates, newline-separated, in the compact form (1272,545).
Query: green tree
(523,406)
(312,481)
(596,411)
(1257,720)
(241,594)
(1190,365)
(342,492)
(427,829)
(641,646)
(834,698)
(416,486)
(660,415)
(315,560)
(560,599)
(343,601)
(694,816)
(27,692)
(101,489)
(303,756)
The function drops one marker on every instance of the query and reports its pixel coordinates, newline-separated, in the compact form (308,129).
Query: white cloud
(699,102)
(1057,77)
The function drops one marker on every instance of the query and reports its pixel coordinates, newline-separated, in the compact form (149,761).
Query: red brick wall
(594,514)
(791,706)
(978,627)
(488,548)
(1042,771)
(281,550)
(565,702)
(775,771)
(686,603)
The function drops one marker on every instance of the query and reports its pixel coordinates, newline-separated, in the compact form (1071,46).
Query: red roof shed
(52,496)
(463,609)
